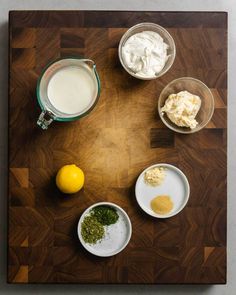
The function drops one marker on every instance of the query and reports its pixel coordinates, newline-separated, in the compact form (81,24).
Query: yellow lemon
(70,179)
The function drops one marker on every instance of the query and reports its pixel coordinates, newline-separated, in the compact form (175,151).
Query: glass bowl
(193,86)
(167,39)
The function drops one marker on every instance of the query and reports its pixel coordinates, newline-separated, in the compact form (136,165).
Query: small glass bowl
(167,39)
(193,86)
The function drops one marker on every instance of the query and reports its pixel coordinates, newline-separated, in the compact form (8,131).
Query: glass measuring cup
(49,112)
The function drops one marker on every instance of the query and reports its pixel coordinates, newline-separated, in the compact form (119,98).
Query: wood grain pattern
(121,137)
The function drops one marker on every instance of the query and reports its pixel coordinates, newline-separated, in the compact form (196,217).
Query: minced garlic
(155,176)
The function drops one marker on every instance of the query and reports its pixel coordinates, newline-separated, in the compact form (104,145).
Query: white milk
(72,89)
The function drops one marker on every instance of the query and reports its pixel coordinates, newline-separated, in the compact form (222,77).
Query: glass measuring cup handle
(45,119)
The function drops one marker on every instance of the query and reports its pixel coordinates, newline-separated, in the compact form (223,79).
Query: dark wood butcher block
(113,144)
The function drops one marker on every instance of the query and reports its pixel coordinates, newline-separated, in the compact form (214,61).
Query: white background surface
(158,5)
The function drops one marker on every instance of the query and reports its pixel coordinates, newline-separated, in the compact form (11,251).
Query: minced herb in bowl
(92,230)
(106,215)
(93,225)
(104,229)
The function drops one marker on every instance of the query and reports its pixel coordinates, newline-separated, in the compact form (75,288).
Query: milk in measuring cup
(71,90)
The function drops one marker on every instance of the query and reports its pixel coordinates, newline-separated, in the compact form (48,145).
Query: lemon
(70,179)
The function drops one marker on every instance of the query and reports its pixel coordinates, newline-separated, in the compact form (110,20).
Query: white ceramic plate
(117,235)
(175,185)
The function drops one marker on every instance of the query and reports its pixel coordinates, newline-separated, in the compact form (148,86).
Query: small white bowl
(175,185)
(117,236)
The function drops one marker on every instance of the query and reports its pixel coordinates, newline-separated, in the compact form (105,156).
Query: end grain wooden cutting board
(121,137)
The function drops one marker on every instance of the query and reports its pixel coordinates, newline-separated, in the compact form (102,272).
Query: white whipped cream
(145,53)
(182,108)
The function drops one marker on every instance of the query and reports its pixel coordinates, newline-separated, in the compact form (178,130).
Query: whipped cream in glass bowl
(147,51)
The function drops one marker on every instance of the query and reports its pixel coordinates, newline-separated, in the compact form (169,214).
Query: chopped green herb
(92,230)
(106,215)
